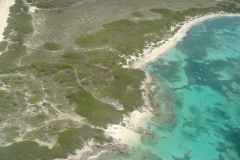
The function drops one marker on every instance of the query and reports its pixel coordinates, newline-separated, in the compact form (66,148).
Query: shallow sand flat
(4,11)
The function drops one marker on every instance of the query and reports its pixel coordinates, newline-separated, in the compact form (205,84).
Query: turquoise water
(198,96)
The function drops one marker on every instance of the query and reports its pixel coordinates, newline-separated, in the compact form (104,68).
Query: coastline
(4,11)
(127,135)
(134,124)
(151,56)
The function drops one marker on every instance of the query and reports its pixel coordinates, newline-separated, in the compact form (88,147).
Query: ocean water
(198,95)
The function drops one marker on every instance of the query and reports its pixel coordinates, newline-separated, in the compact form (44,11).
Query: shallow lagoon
(199,97)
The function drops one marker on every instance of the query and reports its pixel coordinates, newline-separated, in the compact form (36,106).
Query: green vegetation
(229,7)
(177,16)
(7,105)
(125,87)
(52,46)
(100,38)
(36,119)
(95,111)
(13,81)
(19,22)
(124,36)
(34,99)
(44,69)
(8,58)
(45,4)
(73,138)
(124,84)
(75,56)
(68,141)
(29,150)
(3,45)
(18,7)
(165,12)
(137,14)
(237,1)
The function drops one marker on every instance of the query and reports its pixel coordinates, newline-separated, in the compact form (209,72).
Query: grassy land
(96,70)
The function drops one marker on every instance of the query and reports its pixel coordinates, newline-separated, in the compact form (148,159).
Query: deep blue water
(198,95)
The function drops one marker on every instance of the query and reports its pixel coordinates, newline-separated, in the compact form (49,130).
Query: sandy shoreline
(4,11)
(171,42)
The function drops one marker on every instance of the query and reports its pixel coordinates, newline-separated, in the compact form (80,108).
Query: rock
(125,149)
(157,113)
(140,109)
(99,146)
(140,130)
(148,132)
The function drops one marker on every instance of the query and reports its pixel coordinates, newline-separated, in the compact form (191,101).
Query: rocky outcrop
(114,147)
(125,149)
(141,130)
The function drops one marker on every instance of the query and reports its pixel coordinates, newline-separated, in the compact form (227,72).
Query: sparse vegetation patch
(137,14)
(51,46)
(45,4)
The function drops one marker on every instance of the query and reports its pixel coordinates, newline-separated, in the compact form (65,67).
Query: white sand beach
(128,134)
(171,42)
(4,11)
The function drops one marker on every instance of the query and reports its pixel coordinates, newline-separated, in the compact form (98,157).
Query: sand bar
(171,42)
(4,11)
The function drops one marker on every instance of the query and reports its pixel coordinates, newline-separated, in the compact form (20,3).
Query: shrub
(95,111)
(136,14)
(52,46)
(3,45)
